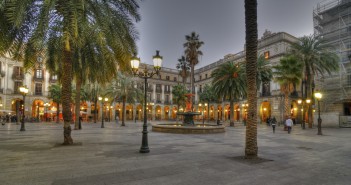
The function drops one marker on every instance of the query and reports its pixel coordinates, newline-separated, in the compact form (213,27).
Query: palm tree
(55,95)
(251,75)
(178,95)
(62,27)
(93,92)
(317,59)
(183,68)
(288,74)
(192,52)
(229,82)
(124,88)
(264,71)
(207,95)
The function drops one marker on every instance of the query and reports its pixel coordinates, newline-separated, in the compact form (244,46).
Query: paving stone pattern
(111,155)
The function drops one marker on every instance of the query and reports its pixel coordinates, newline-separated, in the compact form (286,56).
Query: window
(149,96)
(18,71)
(200,77)
(200,89)
(38,89)
(54,77)
(158,87)
(167,98)
(16,87)
(158,98)
(160,77)
(266,55)
(167,77)
(167,88)
(39,73)
(175,79)
(206,76)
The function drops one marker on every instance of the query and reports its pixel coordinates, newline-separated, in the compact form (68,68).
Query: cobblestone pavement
(110,156)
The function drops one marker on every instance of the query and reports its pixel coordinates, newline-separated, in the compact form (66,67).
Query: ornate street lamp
(318,96)
(102,108)
(24,91)
(145,74)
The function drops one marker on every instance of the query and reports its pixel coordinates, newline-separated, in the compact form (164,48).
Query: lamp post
(102,108)
(46,105)
(318,96)
(145,74)
(24,91)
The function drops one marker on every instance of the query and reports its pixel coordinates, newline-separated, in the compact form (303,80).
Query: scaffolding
(332,21)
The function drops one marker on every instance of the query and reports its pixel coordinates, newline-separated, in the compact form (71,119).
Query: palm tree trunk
(286,103)
(95,111)
(251,148)
(124,111)
(66,96)
(58,113)
(208,111)
(231,112)
(77,100)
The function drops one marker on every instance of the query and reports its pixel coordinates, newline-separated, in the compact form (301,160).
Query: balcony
(38,79)
(167,91)
(149,89)
(52,80)
(17,77)
(265,94)
(158,90)
(167,102)
(38,93)
(158,101)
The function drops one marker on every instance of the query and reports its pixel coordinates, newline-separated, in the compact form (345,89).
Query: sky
(219,23)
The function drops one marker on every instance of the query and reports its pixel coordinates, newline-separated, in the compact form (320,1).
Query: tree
(179,98)
(183,68)
(288,73)
(229,82)
(93,91)
(251,149)
(123,87)
(264,71)
(59,26)
(207,96)
(55,95)
(317,59)
(192,52)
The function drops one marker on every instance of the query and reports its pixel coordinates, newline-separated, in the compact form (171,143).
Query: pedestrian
(274,122)
(117,119)
(289,124)
(269,121)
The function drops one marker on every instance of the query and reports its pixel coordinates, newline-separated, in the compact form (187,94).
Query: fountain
(188,126)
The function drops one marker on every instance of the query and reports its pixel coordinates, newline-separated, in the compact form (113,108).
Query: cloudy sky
(220,24)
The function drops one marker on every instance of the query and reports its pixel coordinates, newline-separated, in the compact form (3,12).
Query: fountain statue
(188,113)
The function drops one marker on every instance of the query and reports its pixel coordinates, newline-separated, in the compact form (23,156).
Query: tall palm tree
(251,148)
(93,91)
(288,73)
(178,95)
(207,96)
(124,88)
(183,68)
(55,95)
(229,82)
(57,26)
(192,52)
(318,59)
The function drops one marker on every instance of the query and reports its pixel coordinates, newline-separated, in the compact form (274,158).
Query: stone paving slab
(111,156)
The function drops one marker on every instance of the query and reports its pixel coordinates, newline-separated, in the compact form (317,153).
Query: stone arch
(174,112)
(16,109)
(129,112)
(166,112)
(226,112)
(158,112)
(237,112)
(265,111)
(139,112)
(212,112)
(219,112)
(38,109)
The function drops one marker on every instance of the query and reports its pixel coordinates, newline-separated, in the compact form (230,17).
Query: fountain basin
(184,129)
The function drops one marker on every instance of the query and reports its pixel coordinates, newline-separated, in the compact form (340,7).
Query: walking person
(273,122)
(289,124)
(117,119)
